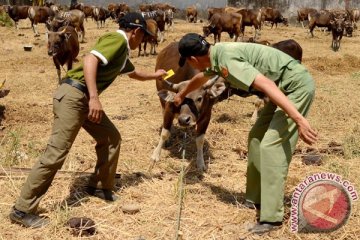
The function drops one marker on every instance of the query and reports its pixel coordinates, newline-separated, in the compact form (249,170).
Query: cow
(159,17)
(320,18)
(74,18)
(143,7)
(63,47)
(349,28)
(39,15)
(303,14)
(118,10)
(337,30)
(250,17)
(273,16)
(169,13)
(100,14)
(195,110)
(152,39)
(17,13)
(224,22)
(212,11)
(197,106)
(88,11)
(191,14)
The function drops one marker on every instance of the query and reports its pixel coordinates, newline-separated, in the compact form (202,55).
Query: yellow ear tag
(170,73)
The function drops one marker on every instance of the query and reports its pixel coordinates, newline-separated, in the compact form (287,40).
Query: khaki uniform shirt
(113,51)
(239,63)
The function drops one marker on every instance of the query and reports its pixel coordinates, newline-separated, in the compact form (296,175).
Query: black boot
(104,194)
(27,219)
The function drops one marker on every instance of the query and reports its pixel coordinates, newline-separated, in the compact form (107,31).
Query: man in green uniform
(290,88)
(76,104)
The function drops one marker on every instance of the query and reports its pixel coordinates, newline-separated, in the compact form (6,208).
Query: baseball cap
(192,44)
(134,20)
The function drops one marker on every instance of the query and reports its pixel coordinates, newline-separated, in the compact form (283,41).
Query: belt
(76,84)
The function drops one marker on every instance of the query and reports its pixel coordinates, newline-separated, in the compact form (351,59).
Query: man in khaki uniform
(76,104)
(257,68)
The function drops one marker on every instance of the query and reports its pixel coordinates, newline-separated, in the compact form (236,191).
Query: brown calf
(191,14)
(152,27)
(224,22)
(63,47)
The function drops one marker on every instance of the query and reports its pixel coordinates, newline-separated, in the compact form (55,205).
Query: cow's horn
(210,82)
(62,32)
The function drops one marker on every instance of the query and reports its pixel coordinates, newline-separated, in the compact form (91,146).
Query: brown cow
(100,15)
(196,108)
(273,16)
(337,30)
(212,11)
(153,28)
(320,19)
(143,7)
(88,11)
(160,17)
(74,18)
(16,13)
(224,22)
(251,17)
(39,15)
(63,46)
(303,14)
(191,14)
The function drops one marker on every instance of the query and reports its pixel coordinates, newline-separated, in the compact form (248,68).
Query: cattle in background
(337,30)
(354,16)
(63,47)
(159,17)
(39,15)
(251,17)
(320,19)
(118,10)
(212,11)
(273,16)
(349,28)
(224,22)
(16,13)
(143,7)
(88,11)
(100,14)
(191,14)
(153,28)
(303,14)
(74,18)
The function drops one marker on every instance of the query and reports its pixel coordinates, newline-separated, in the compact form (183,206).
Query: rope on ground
(180,191)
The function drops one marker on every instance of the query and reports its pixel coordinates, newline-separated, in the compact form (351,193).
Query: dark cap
(134,20)
(192,44)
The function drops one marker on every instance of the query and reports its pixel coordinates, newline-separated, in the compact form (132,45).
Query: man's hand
(95,110)
(306,133)
(160,74)
(178,99)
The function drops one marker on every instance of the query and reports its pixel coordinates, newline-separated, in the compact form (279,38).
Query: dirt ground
(212,205)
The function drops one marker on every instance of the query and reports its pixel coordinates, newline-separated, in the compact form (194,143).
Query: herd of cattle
(66,31)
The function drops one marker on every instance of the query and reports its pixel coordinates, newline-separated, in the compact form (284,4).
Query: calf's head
(56,40)
(197,104)
(338,24)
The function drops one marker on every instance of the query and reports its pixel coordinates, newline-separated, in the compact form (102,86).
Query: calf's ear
(166,95)
(216,90)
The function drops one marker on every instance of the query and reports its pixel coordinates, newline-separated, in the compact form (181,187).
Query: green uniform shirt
(113,51)
(239,63)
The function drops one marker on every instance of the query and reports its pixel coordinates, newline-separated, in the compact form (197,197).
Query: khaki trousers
(272,141)
(70,107)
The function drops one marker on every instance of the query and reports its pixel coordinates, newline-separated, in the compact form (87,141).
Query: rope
(181,190)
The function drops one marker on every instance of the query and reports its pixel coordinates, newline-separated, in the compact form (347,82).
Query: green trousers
(70,107)
(271,143)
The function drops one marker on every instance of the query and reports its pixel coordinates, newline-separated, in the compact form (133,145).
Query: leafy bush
(5,20)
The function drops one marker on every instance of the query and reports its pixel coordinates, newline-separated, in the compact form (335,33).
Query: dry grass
(212,202)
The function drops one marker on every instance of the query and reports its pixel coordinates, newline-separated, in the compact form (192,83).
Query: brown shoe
(27,219)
